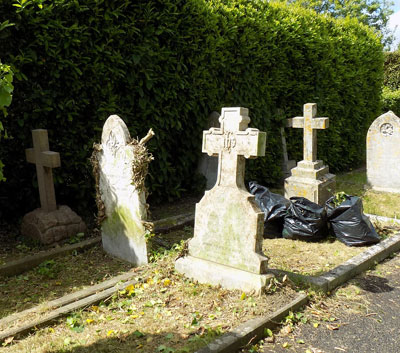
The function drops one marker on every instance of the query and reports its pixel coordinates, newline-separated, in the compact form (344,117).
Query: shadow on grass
(55,278)
(137,341)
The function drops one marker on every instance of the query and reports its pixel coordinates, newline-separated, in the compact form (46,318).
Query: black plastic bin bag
(349,224)
(274,207)
(305,220)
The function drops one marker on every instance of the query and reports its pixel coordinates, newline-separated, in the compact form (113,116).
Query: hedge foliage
(167,64)
(391,100)
(6,89)
(392,70)
(391,89)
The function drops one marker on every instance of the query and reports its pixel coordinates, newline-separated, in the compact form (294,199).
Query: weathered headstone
(383,153)
(49,223)
(311,178)
(122,229)
(226,248)
(287,164)
(208,165)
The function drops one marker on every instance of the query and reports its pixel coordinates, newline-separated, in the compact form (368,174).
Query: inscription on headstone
(227,245)
(383,153)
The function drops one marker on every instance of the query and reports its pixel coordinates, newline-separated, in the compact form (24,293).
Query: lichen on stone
(140,167)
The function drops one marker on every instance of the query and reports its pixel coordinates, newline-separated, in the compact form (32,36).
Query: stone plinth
(383,153)
(49,227)
(311,178)
(227,245)
(312,181)
(210,272)
(122,230)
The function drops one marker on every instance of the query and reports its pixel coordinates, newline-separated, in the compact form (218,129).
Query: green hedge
(391,100)
(392,70)
(167,64)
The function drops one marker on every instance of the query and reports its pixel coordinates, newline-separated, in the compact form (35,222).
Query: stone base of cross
(49,227)
(311,178)
(226,248)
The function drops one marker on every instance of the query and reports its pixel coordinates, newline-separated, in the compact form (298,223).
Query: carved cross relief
(232,143)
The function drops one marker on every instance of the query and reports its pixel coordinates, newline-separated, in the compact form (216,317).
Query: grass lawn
(165,312)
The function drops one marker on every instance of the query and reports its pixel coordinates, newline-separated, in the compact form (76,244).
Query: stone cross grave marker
(44,160)
(383,153)
(226,248)
(309,123)
(49,223)
(310,179)
(123,232)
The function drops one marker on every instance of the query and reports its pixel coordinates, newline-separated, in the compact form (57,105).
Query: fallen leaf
(332,327)
(270,339)
(8,340)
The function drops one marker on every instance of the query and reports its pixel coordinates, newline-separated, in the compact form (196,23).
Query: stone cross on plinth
(310,179)
(49,223)
(44,160)
(226,248)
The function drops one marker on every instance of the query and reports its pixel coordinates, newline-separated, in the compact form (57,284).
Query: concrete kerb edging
(252,330)
(17,267)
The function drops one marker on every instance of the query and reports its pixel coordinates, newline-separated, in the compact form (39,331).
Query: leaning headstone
(226,248)
(311,178)
(49,223)
(208,165)
(121,196)
(383,153)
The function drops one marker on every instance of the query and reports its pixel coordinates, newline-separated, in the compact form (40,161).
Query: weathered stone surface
(383,153)
(123,233)
(311,178)
(49,227)
(49,223)
(205,271)
(228,224)
(44,160)
(208,165)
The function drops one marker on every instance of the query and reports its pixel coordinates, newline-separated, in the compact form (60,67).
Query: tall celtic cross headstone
(383,153)
(49,223)
(310,179)
(226,248)
(122,230)
(44,160)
